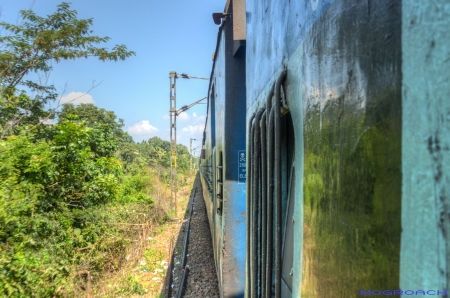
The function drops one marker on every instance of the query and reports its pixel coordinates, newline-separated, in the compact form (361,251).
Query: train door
(270,199)
(215,238)
(219,209)
(288,205)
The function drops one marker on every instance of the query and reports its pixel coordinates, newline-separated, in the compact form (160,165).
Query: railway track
(194,273)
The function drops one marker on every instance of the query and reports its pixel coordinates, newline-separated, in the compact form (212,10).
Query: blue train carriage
(224,155)
(348,119)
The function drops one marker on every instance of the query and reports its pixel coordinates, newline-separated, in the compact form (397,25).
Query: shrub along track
(144,263)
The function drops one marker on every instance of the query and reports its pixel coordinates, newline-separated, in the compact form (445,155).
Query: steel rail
(169,276)
(183,281)
(186,236)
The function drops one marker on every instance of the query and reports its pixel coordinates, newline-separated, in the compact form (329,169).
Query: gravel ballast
(202,278)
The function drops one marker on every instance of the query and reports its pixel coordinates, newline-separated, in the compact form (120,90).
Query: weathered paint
(295,102)
(343,85)
(426,144)
(233,264)
(275,29)
(227,101)
(364,150)
(351,82)
(234,246)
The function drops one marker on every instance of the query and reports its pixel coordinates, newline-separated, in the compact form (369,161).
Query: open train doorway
(271,198)
(288,203)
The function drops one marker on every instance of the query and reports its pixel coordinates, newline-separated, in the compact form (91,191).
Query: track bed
(202,277)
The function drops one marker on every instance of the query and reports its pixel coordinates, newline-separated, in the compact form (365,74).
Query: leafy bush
(64,193)
(61,202)
(44,189)
(153,258)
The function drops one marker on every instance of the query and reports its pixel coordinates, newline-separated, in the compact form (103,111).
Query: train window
(208,175)
(219,188)
(213,117)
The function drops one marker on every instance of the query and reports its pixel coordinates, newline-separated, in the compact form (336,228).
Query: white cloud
(194,115)
(142,128)
(182,117)
(200,120)
(77,98)
(193,129)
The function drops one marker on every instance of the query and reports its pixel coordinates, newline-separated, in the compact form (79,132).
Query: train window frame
(219,184)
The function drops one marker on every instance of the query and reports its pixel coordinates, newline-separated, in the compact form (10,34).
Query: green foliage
(156,153)
(136,187)
(44,186)
(129,286)
(32,46)
(53,183)
(153,258)
(96,117)
(62,194)
(69,191)
(65,169)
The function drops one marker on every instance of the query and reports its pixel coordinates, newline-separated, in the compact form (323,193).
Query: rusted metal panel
(239,20)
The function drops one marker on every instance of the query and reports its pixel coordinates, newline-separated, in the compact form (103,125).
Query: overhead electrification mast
(173,131)
(173,139)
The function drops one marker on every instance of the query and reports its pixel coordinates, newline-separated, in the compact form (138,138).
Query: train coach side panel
(274,31)
(217,102)
(219,81)
(234,161)
(351,91)
(225,134)
(426,144)
(343,84)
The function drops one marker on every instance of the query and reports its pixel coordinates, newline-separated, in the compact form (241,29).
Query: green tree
(93,116)
(32,46)
(109,136)
(44,187)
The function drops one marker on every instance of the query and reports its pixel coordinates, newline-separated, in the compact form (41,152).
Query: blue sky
(167,35)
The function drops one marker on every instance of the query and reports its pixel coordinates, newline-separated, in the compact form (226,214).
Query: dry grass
(139,269)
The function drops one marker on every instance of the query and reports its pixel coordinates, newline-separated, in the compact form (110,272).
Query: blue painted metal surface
(368,162)
(343,89)
(275,29)
(224,141)
(425,249)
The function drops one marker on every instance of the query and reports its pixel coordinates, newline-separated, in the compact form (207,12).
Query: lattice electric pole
(173,76)
(173,140)
(190,151)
